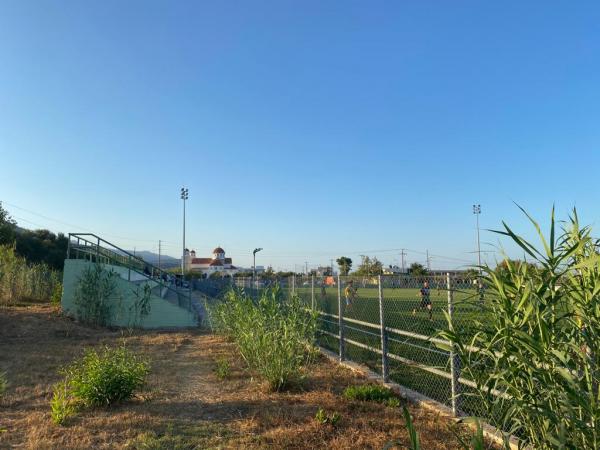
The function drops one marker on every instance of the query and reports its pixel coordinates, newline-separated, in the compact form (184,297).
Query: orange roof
(201,260)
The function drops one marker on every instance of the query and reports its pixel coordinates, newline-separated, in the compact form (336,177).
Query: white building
(217,264)
(393,270)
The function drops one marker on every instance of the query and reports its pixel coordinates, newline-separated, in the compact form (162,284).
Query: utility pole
(402,254)
(306,267)
(159,242)
(428,263)
(331,261)
(184,197)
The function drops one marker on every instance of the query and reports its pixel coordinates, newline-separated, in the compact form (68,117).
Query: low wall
(163,314)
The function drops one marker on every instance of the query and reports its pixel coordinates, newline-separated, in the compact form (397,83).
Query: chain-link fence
(390,324)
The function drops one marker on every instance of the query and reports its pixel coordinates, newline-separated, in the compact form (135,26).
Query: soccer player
(350,293)
(425,300)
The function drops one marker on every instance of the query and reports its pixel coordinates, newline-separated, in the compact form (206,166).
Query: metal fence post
(384,356)
(293,284)
(312,291)
(454,360)
(340,319)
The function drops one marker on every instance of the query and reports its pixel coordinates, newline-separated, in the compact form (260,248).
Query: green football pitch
(401,306)
(402,311)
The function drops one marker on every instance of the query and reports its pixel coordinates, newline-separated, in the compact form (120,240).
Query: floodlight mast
(477,212)
(184,196)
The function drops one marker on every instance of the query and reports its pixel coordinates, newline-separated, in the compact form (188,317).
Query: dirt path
(185,405)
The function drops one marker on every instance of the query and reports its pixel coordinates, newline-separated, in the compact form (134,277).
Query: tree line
(36,246)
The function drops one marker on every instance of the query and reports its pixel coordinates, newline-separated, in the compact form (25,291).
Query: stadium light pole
(184,197)
(254,252)
(477,212)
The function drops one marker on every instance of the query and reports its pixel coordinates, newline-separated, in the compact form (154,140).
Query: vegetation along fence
(390,324)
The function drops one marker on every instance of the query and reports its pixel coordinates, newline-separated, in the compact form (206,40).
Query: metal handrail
(126,257)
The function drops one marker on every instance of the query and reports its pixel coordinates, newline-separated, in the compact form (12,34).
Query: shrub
(106,377)
(370,392)
(95,295)
(539,346)
(275,336)
(98,379)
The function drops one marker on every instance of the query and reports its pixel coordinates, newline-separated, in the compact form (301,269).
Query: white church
(217,264)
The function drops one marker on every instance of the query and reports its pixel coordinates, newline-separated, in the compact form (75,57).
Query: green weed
(323,418)
(370,392)
(3,383)
(57,294)
(63,405)
(223,369)
(393,402)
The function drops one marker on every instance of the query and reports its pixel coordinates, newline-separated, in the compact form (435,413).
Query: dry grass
(185,405)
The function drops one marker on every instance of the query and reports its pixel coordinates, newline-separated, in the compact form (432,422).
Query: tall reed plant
(539,346)
(20,281)
(274,335)
(96,295)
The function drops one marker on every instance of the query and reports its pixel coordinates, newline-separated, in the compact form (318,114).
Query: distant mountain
(166,261)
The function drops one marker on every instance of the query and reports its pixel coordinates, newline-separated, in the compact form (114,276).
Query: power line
(240,252)
(69,224)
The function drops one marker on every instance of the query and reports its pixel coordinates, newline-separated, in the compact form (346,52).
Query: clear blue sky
(312,129)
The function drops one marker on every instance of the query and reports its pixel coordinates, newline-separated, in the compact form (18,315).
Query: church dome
(218,250)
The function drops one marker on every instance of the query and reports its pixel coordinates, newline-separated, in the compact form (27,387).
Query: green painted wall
(163,314)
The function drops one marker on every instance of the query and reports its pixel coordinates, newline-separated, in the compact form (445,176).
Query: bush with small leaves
(98,379)
(106,377)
